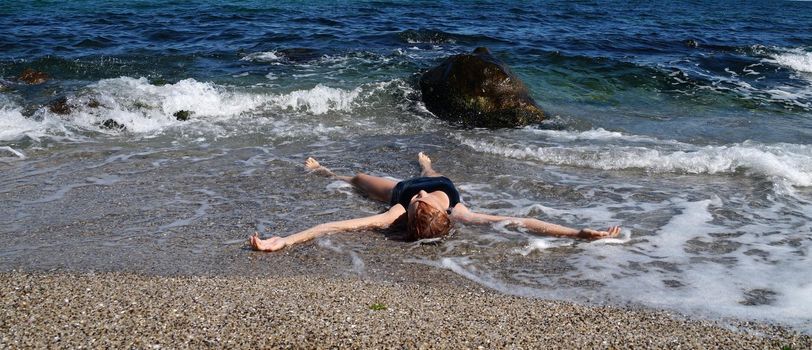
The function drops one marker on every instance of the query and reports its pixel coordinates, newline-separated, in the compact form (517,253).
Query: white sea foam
(358,265)
(467,268)
(13,151)
(102,180)
(787,162)
(134,103)
(797,59)
(708,273)
(143,107)
(624,237)
(266,56)
(341,187)
(699,261)
(598,134)
(539,244)
(791,95)
(331,61)
(714,250)
(318,100)
(695,218)
(14,126)
(146,110)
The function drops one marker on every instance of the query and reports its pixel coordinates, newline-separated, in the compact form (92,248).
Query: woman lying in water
(431,205)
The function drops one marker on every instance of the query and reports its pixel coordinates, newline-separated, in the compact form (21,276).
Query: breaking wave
(13,125)
(134,105)
(796,59)
(318,100)
(788,162)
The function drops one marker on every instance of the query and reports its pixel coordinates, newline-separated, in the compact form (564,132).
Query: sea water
(688,124)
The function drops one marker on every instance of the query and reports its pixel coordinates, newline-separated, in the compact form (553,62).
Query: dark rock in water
(412,36)
(60,106)
(478,90)
(93,103)
(158,81)
(30,76)
(691,43)
(755,297)
(112,125)
(300,54)
(182,115)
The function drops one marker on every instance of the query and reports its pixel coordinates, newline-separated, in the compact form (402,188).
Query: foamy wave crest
(200,97)
(598,134)
(796,59)
(318,100)
(14,126)
(788,162)
(267,56)
(142,107)
(134,106)
(799,62)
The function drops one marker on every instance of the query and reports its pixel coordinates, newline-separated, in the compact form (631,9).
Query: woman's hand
(266,245)
(611,232)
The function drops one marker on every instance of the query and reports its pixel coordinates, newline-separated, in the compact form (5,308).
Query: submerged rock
(300,54)
(159,81)
(60,106)
(63,106)
(182,115)
(478,90)
(112,125)
(412,36)
(30,76)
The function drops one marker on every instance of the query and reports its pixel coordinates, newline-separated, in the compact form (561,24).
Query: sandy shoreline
(128,310)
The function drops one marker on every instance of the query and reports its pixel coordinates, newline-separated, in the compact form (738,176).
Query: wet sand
(71,310)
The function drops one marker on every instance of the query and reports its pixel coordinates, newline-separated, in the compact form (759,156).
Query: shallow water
(696,141)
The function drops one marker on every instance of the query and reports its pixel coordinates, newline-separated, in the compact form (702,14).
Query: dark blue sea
(687,123)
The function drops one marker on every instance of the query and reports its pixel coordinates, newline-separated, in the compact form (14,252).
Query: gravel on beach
(120,310)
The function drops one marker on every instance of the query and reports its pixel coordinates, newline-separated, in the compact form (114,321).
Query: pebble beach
(117,310)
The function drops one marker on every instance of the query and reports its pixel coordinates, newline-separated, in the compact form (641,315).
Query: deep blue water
(703,62)
(688,123)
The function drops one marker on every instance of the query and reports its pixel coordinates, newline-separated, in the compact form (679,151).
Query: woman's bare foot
(313,166)
(424,160)
(425,165)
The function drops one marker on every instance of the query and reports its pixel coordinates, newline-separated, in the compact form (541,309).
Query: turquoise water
(690,124)
(701,64)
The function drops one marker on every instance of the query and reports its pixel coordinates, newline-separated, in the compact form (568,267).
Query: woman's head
(427,218)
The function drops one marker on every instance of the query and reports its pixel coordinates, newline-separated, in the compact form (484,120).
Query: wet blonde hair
(426,221)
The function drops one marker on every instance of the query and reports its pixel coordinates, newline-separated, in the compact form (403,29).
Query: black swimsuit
(404,191)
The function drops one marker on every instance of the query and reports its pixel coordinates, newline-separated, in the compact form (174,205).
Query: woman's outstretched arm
(382,220)
(463,214)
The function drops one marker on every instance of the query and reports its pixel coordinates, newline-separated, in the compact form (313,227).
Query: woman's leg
(425,166)
(377,188)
